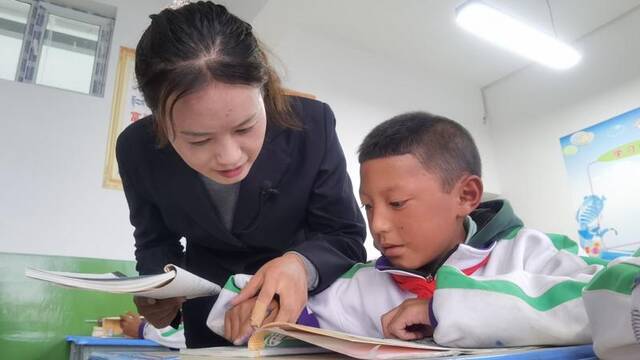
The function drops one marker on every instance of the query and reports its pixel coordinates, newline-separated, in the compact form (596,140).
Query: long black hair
(185,49)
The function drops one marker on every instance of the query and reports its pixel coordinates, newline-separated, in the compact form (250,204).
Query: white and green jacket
(506,286)
(167,336)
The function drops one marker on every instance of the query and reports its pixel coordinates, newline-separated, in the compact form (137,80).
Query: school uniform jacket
(296,197)
(508,286)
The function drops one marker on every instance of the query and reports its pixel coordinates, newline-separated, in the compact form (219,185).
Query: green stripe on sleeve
(618,278)
(449,277)
(594,260)
(172,331)
(563,242)
(231,285)
(511,235)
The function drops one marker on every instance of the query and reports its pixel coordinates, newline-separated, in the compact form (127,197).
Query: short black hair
(442,146)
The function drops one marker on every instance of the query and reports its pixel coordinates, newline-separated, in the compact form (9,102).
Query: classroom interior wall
(53,201)
(53,153)
(530,110)
(364,90)
(54,141)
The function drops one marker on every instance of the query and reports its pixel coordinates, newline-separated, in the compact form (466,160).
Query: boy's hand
(409,321)
(130,324)
(158,313)
(284,277)
(237,320)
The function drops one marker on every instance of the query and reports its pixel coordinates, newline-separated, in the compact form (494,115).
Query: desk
(579,352)
(150,355)
(164,356)
(83,346)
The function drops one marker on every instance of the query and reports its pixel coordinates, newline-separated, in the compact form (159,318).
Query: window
(13,20)
(68,54)
(62,47)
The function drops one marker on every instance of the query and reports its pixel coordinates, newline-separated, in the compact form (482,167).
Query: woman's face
(219,130)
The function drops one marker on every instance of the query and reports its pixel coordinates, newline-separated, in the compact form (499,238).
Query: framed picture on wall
(128,106)
(603,167)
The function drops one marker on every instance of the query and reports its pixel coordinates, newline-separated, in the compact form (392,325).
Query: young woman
(253,180)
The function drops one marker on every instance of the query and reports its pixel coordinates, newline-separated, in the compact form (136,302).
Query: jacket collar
(263,181)
(495,219)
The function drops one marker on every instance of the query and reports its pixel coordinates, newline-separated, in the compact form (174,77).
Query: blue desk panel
(110,341)
(81,347)
(581,352)
(105,355)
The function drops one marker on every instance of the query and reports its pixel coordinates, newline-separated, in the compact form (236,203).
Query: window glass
(13,19)
(68,54)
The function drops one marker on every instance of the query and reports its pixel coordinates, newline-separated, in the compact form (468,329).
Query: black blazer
(296,197)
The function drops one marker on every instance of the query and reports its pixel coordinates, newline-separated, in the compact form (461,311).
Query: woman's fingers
(291,304)
(250,290)
(261,306)
(246,330)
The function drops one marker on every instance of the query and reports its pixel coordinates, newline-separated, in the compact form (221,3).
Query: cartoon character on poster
(604,170)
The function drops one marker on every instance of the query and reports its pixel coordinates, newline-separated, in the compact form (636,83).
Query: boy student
(467,272)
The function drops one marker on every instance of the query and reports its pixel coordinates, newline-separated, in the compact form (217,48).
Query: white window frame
(33,41)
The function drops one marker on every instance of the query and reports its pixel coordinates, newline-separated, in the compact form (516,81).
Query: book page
(357,338)
(175,282)
(367,347)
(184,284)
(100,282)
(356,349)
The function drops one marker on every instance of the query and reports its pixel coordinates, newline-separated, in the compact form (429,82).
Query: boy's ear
(470,190)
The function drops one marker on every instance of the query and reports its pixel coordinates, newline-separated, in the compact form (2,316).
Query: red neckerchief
(424,287)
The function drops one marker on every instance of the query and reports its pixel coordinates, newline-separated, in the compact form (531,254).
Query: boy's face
(412,220)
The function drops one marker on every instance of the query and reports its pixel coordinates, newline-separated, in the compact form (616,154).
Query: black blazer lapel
(262,181)
(193,196)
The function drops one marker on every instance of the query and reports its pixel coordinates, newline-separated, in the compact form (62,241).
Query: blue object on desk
(113,341)
(578,352)
(133,356)
(83,346)
(610,255)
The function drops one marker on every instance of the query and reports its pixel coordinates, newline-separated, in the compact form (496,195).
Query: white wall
(52,159)
(532,109)
(54,141)
(364,90)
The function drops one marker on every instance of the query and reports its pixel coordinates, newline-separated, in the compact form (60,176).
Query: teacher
(254,181)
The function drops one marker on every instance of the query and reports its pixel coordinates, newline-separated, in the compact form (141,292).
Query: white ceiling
(423,34)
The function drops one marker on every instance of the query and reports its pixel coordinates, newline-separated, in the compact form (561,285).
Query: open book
(174,282)
(285,339)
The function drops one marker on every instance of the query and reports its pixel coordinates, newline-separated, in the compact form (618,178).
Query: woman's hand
(409,321)
(237,320)
(284,277)
(158,313)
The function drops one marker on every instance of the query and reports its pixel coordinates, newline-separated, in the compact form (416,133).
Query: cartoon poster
(603,165)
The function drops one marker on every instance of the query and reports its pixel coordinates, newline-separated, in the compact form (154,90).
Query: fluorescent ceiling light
(514,35)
